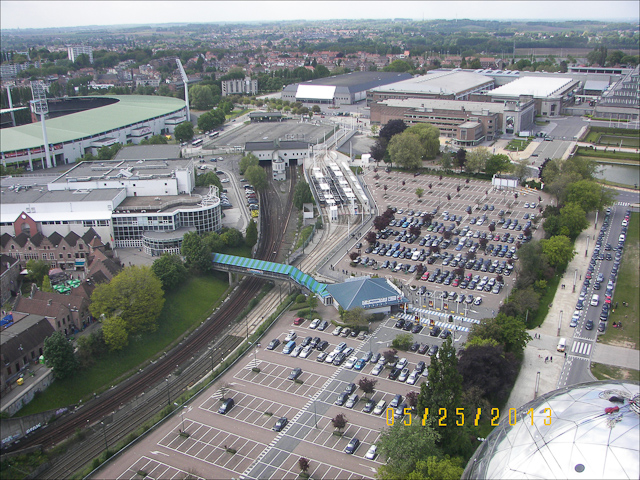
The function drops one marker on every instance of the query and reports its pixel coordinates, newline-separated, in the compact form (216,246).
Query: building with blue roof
(376,295)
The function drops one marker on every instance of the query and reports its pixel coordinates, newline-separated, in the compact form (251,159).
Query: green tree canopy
(398,66)
(135,294)
(249,160)
(406,445)
(251,235)
(509,331)
(558,250)
(207,121)
(477,159)
(488,368)
(58,353)
(392,127)
(115,333)
(200,97)
(302,194)
(429,136)
(170,270)
(498,163)
(406,150)
(197,255)
(257,177)
(589,195)
(37,269)
(184,132)
(574,218)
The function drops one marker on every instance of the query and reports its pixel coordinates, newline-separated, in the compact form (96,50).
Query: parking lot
(466,245)
(243,442)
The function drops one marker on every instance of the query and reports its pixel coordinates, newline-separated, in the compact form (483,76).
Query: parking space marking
(200,440)
(155,470)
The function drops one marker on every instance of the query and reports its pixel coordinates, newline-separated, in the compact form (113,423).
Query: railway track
(104,420)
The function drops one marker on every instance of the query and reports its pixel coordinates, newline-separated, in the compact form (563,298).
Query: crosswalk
(581,348)
(623,204)
(409,317)
(434,313)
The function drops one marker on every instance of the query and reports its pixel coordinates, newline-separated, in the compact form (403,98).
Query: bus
(214,134)
(197,142)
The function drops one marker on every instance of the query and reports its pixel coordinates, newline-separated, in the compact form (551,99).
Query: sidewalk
(552,330)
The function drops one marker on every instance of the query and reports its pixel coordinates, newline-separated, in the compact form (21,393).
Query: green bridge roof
(254,266)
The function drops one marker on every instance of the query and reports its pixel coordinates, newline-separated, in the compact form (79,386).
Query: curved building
(129,119)
(585,431)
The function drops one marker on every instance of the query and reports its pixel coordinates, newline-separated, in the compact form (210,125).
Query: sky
(42,14)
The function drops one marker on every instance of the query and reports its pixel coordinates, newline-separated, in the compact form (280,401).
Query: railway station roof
(257,267)
(366,293)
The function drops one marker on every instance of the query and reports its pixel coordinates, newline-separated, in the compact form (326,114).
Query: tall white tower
(186,87)
(39,106)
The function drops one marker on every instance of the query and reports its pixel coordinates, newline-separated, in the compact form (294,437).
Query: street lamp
(315,415)
(181,415)
(168,392)
(104,432)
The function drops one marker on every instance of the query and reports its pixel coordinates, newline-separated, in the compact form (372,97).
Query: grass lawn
(545,301)
(517,144)
(626,290)
(609,372)
(182,310)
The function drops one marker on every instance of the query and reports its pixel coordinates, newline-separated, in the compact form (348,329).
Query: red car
(298,321)
(425,276)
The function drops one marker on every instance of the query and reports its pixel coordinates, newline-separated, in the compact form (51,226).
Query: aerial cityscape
(337,240)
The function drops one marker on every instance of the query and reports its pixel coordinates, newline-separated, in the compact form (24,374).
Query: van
(562,344)
(226,406)
(595,300)
(288,348)
(621,238)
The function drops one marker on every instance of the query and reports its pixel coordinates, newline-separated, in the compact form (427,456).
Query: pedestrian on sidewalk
(546,359)
(551,359)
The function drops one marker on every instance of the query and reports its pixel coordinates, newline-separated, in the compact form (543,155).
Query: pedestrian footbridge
(272,271)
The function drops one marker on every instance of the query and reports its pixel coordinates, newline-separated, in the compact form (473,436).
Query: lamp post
(168,392)
(315,415)
(181,415)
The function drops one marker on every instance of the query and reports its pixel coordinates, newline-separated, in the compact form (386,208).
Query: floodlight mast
(186,87)
(13,117)
(40,107)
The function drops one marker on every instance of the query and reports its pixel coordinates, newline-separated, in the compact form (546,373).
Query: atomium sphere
(586,431)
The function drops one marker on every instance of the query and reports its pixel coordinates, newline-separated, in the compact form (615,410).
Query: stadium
(126,119)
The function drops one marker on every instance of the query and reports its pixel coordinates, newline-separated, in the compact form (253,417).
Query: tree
(406,150)
(355,316)
(37,269)
(207,121)
(402,341)
(558,250)
(381,222)
(339,422)
(398,66)
(367,385)
(497,164)
(46,284)
(477,159)
(302,194)
(379,149)
(115,333)
(488,368)
(58,353)
(390,355)
(170,270)
(135,294)
(598,56)
(445,161)
(303,463)
(419,192)
(429,136)
(461,158)
(197,256)
(520,169)
(574,218)
(589,195)
(257,177)
(509,331)
(370,237)
(231,237)
(475,64)
(200,97)
(393,127)
(405,445)
(184,132)
(251,235)
(443,389)
(249,160)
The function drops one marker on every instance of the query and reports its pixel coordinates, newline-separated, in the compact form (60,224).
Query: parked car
(295,373)
(380,407)
(280,424)
(352,446)
(352,401)
(371,453)
(273,344)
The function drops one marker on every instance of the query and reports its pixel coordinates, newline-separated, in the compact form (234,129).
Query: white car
(379,407)
(413,377)
(371,453)
(330,357)
(351,362)
(306,351)
(290,336)
(402,363)
(377,369)
(314,324)
(337,331)
(477,301)
(296,351)
(224,180)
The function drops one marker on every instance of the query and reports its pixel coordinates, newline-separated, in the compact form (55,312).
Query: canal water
(622,174)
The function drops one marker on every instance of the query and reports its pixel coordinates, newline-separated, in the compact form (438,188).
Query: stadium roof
(443,83)
(536,86)
(365,293)
(128,110)
(589,430)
